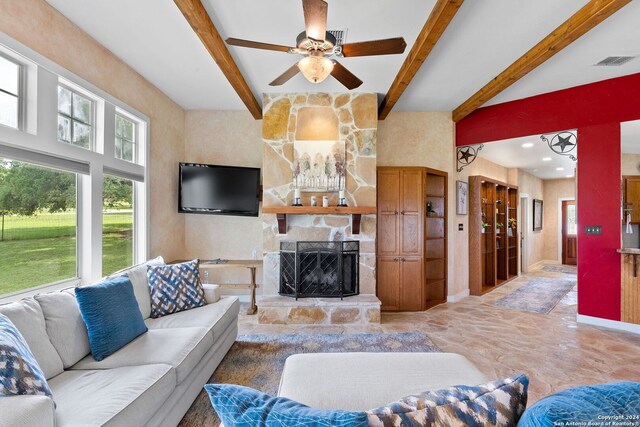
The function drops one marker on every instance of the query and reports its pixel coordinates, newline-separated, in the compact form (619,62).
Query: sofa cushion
(138,276)
(126,396)
(65,326)
(245,407)
(181,348)
(216,317)
(175,288)
(599,404)
(497,403)
(336,380)
(27,411)
(27,316)
(111,314)
(19,371)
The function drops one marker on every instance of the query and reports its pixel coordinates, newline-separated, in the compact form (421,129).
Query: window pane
(81,135)
(128,130)
(119,126)
(117,224)
(118,148)
(38,226)
(64,101)
(8,110)
(127,151)
(81,108)
(9,76)
(572,225)
(64,129)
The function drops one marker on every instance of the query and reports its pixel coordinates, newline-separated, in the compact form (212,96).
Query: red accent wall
(596,111)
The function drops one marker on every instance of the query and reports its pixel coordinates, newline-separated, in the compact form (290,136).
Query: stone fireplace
(348,117)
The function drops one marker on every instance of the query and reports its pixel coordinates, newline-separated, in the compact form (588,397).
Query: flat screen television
(219,190)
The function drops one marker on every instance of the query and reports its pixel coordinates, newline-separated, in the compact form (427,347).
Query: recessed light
(527,145)
(560,169)
(546,159)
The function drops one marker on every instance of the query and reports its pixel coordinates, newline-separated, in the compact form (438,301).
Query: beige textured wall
(427,139)
(533,186)
(630,164)
(554,190)
(39,26)
(223,138)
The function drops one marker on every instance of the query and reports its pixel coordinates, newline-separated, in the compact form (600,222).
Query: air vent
(615,61)
(340,35)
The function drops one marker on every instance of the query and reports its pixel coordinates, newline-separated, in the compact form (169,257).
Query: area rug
(560,268)
(257,361)
(538,296)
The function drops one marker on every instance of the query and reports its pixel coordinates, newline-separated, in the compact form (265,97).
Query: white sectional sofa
(152,381)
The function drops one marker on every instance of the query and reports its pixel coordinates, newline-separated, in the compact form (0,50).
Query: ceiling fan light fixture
(315,68)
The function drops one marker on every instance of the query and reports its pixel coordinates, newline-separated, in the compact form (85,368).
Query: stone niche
(352,117)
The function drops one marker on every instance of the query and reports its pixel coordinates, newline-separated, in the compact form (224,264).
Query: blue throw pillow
(240,406)
(111,313)
(601,404)
(19,370)
(175,288)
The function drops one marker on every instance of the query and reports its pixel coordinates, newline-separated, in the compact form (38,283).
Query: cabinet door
(388,282)
(411,289)
(388,187)
(411,214)
(632,197)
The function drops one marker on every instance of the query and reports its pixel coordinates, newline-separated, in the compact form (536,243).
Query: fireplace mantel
(356,213)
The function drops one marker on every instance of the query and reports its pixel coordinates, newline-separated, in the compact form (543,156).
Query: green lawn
(42,249)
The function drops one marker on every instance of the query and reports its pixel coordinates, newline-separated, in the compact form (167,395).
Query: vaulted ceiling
(482,40)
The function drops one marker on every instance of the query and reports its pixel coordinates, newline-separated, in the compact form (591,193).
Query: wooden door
(632,197)
(569,233)
(389,282)
(412,284)
(411,213)
(388,212)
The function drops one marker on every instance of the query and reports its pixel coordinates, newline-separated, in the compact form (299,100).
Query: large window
(117,224)
(38,226)
(126,131)
(75,118)
(9,93)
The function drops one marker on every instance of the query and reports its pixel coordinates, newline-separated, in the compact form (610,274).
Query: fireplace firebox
(319,269)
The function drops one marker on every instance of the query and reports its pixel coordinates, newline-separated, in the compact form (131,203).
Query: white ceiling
(511,154)
(483,39)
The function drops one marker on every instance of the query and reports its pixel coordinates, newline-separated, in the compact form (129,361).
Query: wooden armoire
(411,239)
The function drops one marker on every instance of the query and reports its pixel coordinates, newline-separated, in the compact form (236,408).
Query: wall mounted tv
(218,190)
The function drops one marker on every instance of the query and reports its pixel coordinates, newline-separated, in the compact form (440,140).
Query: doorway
(569,233)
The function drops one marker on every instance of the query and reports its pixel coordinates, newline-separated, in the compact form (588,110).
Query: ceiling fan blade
(284,77)
(375,47)
(257,45)
(344,76)
(315,18)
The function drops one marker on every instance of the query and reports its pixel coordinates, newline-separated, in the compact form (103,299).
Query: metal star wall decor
(563,143)
(466,155)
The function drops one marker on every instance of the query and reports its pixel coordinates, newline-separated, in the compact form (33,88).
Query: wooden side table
(252,265)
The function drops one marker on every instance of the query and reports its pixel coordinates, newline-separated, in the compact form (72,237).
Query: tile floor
(552,349)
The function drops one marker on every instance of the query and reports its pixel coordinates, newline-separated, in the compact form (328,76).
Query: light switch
(460,227)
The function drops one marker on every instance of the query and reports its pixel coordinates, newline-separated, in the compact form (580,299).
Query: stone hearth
(360,309)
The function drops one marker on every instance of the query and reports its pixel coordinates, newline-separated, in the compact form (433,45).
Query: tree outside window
(75,118)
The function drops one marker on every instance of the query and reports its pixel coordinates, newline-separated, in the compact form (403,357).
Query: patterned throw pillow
(498,403)
(175,288)
(19,371)
(240,406)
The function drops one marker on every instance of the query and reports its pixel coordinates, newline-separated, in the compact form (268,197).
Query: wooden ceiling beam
(439,18)
(197,16)
(578,24)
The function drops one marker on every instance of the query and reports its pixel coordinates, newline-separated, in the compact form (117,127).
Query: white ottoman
(363,381)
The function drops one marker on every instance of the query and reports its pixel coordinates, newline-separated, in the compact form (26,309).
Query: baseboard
(606,323)
(538,265)
(457,297)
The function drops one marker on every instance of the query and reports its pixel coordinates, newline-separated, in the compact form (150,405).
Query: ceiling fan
(317,45)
